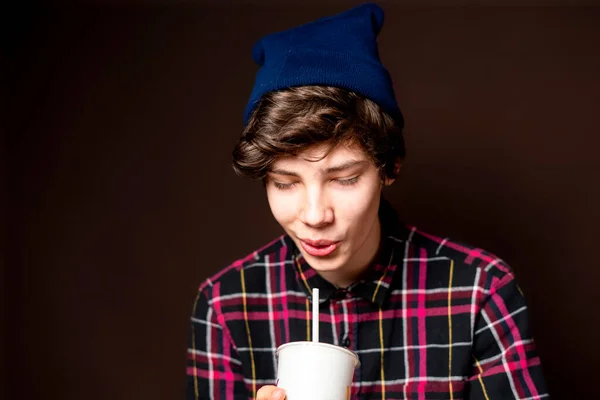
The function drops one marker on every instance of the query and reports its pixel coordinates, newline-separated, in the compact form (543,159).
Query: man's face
(329,208)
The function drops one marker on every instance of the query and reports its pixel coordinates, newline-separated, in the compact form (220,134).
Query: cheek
(358,208)
(283,206)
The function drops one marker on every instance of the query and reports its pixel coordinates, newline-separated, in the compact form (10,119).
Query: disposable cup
(315,371)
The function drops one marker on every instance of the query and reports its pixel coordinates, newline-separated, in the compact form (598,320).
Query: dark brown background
(122,198)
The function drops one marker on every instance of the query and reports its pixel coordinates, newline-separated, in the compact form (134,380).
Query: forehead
(316,157)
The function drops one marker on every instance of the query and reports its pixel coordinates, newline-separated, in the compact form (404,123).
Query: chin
(325,263)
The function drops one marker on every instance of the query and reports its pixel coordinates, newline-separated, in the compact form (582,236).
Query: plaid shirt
(434,319)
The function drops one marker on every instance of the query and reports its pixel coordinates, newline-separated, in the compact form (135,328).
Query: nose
(317,210)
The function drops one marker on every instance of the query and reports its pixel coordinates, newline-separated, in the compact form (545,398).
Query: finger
(270,392)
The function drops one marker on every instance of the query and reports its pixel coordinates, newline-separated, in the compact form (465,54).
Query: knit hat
(339,50)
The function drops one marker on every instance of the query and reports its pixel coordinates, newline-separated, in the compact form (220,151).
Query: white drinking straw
(315,315)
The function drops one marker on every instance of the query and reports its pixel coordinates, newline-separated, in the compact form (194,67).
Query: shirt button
(346,342)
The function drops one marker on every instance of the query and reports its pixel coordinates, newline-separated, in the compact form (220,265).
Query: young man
(428,317)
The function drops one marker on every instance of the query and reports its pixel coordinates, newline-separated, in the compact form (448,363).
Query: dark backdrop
(122,199)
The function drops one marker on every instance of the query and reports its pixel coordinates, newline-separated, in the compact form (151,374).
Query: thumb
(270,392)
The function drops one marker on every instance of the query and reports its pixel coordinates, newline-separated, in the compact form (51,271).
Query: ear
(397,165)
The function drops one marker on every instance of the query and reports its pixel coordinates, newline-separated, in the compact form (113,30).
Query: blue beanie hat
(339,51)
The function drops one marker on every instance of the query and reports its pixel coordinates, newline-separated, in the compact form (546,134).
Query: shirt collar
(375,285)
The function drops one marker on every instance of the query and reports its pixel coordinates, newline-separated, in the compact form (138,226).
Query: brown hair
(289,121)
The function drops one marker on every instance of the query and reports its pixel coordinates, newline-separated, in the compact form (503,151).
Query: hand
(270,392)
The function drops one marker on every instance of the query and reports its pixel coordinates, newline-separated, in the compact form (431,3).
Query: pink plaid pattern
(435,319)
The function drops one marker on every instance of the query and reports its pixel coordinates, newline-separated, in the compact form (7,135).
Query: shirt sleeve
(214,370)
(506,364)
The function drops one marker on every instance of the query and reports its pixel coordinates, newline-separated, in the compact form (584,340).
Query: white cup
(315,371)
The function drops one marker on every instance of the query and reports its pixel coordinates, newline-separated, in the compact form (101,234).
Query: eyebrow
(337,168)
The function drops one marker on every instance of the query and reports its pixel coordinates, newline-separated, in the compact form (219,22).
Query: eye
(347,182)
(283,186)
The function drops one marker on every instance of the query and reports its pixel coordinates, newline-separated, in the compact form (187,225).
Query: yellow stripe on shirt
(308,320)
(245,306)
(304,280)
(480,379)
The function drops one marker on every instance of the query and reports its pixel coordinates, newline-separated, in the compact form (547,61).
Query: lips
(319,248)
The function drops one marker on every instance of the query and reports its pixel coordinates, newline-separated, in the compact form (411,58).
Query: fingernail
(278,394)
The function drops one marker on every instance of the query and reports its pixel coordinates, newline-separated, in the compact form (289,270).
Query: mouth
(319,248)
